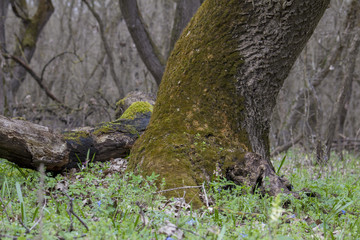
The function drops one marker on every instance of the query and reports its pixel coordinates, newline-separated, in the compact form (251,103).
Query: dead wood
(28,144)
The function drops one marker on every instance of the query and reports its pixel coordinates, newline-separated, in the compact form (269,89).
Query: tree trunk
(4,5)
(29,145)
(3,13)
(218,92)
(29,34)
(146,48)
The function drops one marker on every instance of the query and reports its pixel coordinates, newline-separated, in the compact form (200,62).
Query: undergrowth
(97,202)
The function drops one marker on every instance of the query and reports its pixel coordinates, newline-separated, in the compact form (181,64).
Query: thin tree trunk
(147,49)
(218,92)
(297,111)
(4,5)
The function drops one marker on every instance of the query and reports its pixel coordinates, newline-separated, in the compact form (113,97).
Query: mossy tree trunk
(218,92)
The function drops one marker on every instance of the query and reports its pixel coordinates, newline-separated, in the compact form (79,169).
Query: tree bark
(218,91)
(4,5)
(29,145)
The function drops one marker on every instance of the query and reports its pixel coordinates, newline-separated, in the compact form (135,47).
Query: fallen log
(29,145)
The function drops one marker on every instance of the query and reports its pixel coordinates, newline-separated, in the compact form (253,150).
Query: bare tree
(309,107)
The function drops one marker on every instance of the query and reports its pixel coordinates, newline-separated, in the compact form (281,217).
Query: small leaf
(281,164)
(222,233)
(35,214)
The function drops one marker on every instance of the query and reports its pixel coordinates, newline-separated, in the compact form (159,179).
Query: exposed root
(256,172)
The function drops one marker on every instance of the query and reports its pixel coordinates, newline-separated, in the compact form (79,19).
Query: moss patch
(75,136)
(121,102)
(135,109)
(105,128)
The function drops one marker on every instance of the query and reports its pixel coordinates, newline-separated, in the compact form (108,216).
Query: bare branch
(53,58)
(36,78)
(286,146)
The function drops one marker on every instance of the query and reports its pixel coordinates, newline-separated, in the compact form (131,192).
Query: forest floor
(101,201)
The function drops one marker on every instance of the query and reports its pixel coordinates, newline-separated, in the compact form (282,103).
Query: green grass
(125,206)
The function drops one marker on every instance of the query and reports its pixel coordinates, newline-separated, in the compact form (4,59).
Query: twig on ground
(205,195)
(196,234)
(81,236)
(7,215)
(71,211)
(7,236)
(178,188)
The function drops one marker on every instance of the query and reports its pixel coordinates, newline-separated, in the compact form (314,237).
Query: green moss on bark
(135,109)
(76,136)
(195,126)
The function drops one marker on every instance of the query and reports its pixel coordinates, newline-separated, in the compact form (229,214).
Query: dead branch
(36,78)
(286,146)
